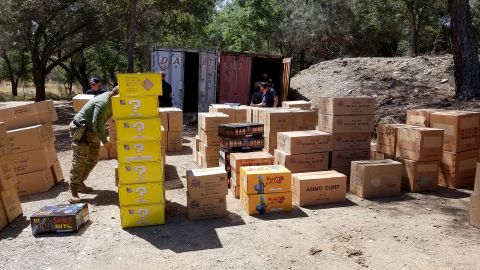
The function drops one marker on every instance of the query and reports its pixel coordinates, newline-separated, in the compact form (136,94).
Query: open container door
(235,75)
(207,79)
(171,62)
(285,83)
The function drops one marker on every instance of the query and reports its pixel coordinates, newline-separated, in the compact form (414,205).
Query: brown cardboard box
(80,100)
(31,161)
(57,172)
(209,152)
(163,114)
(387,138)
(344,158)
(210,121)
(195,157)
(420,117)
(3,218)
(458,169)
(346,123)
(419,176)
(29,138)
(34,182)
(343,170)
(351,141)
(475,210)
(315,188)
(7,174)
(103,152)
(462,129)
(347,105)
(305,105)
(277,120)
(375,178)
(235,187)
(298,163)
(304,142)
(29,115)
(5,148)
(211,182)
(241,113)
(197,142)
(204,208)
(210,138)
(476,189)
(207,163)
(174,141)
(270,141)
(226,109)
(11,204)
(304,120)
(380,156)
(419,144)
(175,119)
(373,150)
(238,160)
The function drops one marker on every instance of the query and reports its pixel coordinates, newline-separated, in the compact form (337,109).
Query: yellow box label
(265,179)
(144,215)
(139,129)
(141,172)
(140,151)
(140,84)
(266,203)
(134,107)
(141,194)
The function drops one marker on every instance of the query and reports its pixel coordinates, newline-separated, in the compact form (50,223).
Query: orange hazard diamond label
(147,84)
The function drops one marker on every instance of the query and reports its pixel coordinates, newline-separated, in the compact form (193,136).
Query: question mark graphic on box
(140,170)
(140,126)
(141,191)
(136,104)
(139,148)
(143,212)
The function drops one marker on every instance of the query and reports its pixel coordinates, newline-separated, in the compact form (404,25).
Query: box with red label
(258,204)
(265,179)
(60,218)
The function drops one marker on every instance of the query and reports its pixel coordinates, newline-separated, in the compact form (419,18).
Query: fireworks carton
(142,215)
(134,107)
(420,117)
(140,151)
(257,204)
(205,208)
(315,188)
(60,218)
(375,178)
(419,176)
(420,144)
(140,84)
(346,123)
(304,142)
(351,141)
(138,129)
(139,173)
(210,182)
(347,105)
(141,194)
(310,162)
(265,179)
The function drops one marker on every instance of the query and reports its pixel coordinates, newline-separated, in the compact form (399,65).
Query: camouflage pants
(85,155)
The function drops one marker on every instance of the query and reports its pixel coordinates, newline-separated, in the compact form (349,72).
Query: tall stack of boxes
(10,207)
(140,161)
(206,193)
(208,145)
(351,122)
(172,122)
(239,160)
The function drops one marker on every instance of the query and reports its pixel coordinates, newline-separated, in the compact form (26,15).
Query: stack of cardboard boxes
(237,114)
(206,193)
(475,201)
(172,122)
(10,207)
(33,155)
(140,161)
(351,122)
(239,160)
(207,152)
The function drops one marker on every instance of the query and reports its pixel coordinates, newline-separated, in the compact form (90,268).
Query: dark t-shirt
(268,98)
(95,93)
(165,99)
(257,97)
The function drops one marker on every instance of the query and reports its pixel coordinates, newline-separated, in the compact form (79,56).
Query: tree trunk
(302,60)
(11,74)
(414,33)
(39,81)
(131,35)
(15,87)
(467,66)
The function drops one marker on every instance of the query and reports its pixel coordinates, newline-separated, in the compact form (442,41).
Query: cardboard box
(209,152)
(226,109)
(5,148)
(238,160)
(373,150)
(347,105)
(175,119)
(31,161)
(140,151)
(344,158)
(210,138)
(420,117)
(197,142)
(270,141)
(476,189)
(134,107)
(387,138)
(138,129)
(343,170)
(297,163)
(419,176)
(351,141)
(204,183)
(234,186)
(304,142)
(139,173)
(458,169)
(375,178)
(265,179)
(57,172)
(142,215)
(28,115)
(204,163)
(60,218)
(346,123)
(80,100)
(305,120)
(7,174)
(380,156)
(462,129)
(163,115)
(3,219)
(11,204)
(241,113)
(258,204)
(195,157)
(174,139)
(140,84)
(315,188)
(141,194)
(210,121)
(302,104)
(103,152)
(475,210)
(205,208)
(34,182)
(419,144)
(277,120)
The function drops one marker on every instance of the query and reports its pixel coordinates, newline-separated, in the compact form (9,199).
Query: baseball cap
(94,80)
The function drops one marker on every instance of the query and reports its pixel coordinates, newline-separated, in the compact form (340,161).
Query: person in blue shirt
(95,87)
(270,96)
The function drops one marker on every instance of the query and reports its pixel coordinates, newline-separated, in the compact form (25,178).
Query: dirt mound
(397,83)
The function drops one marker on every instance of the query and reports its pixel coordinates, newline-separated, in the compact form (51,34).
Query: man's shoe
(72,195)
(82,188)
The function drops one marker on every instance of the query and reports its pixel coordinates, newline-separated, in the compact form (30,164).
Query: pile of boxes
(207,146)
(239,160)
(206,193)
(172,122)
(475,201)
(140,160)
(10,207)
(33,155)
(236,114)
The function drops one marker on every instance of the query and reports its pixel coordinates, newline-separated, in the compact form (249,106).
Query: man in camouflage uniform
(87,130)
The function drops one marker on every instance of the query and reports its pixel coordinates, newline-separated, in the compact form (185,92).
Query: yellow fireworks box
(266,203)
(141,194)
(143,215)
(139,129)
(265,179)
(140,84)
(139,151)
(134,107)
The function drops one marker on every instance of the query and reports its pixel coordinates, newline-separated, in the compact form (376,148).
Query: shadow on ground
(186,150)
(172,178)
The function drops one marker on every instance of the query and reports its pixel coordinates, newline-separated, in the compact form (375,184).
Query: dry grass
(26,91)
